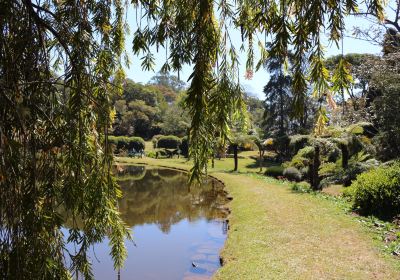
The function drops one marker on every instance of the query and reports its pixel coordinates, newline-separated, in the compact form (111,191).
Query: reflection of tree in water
(164,198)
(125,173)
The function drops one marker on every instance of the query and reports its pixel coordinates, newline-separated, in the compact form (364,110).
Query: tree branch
(41,22)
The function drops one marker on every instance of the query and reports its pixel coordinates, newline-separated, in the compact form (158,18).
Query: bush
(377,191)
(292,174)
(184,147)
(302,159)
(274,171)
(169,142)
(298,142)
(306,152)
(305,171)
(302,187)
(328,169)
(363,128)
(335,174)
(127,143)
(298,162)
(161,153)
(151,154)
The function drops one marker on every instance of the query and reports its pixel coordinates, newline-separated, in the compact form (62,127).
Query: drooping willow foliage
(60,61)
(57,62)
(198,33)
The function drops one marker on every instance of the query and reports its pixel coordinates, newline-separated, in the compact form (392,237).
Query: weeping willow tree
(60,61)
(57,62)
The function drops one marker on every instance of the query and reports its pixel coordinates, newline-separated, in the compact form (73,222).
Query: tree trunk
(281,113)
(345,156)
(314,178)
(235,156)
(261,152)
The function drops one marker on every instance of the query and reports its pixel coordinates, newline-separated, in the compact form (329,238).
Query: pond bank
(277,234)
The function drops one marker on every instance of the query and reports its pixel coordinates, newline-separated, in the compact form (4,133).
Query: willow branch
(41,22)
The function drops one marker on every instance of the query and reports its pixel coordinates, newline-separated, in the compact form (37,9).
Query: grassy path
(277,234)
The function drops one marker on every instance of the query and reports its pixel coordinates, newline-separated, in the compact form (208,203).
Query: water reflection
(162,197)
(178,229)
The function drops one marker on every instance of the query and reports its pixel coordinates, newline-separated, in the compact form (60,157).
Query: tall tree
(355,103)
(279,115)
(56,63)
(167,80)
(278,98)
(139,110)
(384,30)
(385,102)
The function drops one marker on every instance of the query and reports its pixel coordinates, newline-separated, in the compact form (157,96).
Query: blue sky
(254,86)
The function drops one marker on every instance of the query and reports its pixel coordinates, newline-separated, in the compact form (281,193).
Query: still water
(178,230)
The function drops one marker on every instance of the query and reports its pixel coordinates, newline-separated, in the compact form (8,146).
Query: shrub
(302,187)
(298,162)
(184,147)
(335,179)
(302,159)
(127,143)
(358,164)
(161,153)
(298,142)
(377,191)
(169,142)
(306,152)
(335,174)
(151,154)
(274,171)
(292,174)
(304,171)
(328,169)
(363,128)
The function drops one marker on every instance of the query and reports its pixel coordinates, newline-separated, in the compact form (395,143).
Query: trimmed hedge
(377,191)
(127,143)
(169,142)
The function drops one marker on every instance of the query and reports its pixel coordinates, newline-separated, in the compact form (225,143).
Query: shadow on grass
(265,164)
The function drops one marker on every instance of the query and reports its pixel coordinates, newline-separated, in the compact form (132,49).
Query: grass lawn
(278,234)
(148,146)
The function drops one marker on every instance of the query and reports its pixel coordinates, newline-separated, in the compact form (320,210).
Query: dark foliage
(169,142)
(127,143)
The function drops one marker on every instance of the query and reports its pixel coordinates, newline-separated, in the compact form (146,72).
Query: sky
(254,86)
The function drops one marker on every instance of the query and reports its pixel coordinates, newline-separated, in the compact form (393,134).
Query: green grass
(276,233)
(148,147)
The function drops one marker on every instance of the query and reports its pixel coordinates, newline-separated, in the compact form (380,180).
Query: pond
(178,230)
